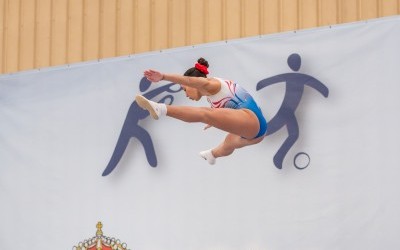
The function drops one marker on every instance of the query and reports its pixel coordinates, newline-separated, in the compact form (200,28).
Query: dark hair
(195,72)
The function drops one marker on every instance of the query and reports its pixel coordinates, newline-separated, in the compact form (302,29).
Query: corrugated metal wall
(41,33)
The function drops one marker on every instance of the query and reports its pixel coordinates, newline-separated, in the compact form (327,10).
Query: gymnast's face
(192,93)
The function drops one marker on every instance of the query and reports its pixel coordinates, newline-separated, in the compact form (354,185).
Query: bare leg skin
(241,122)
(233,142)
(227,147)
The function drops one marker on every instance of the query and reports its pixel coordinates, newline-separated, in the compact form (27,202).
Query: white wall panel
(60,127)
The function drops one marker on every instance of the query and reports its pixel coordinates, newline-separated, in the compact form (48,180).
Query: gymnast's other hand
(207,127)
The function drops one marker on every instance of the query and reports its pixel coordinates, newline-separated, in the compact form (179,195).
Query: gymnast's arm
(208,85)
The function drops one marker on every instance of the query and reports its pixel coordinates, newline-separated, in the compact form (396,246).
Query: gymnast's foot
(156,109)
(208,156)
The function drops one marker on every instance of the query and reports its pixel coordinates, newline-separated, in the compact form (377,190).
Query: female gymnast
(232,109)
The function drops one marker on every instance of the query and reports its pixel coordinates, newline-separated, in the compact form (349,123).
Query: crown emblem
(100,242)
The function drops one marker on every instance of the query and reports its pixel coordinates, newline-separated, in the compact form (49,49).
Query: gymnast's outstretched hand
(207,127)
(153,75)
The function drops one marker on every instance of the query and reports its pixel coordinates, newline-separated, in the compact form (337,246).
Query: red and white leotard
(232,95)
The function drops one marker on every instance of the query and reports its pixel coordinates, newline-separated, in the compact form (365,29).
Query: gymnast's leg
(227,147)
(241,122)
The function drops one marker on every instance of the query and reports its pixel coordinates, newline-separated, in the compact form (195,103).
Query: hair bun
(203,62)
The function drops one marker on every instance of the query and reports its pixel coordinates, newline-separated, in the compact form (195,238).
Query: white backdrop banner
(75,149)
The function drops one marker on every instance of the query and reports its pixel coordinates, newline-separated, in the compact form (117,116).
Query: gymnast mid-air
(232,109)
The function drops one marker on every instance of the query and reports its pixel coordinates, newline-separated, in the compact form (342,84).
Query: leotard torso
(233,96)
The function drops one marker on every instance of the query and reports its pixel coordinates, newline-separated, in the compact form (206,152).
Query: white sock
(156,109)
(208,156)
(160,108)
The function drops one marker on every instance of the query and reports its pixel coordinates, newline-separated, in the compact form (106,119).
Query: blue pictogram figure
(285,116)
(131,128)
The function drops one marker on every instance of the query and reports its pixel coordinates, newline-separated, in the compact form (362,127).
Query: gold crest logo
(100,242)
